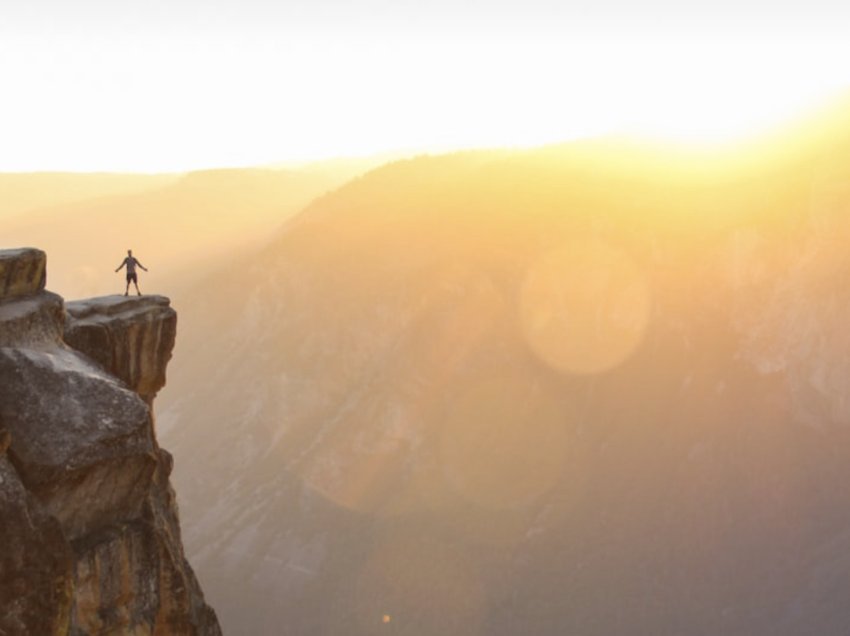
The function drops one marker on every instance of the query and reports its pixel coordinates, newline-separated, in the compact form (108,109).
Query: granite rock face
(35,563)
(35,321)
(132,338)
(88,518)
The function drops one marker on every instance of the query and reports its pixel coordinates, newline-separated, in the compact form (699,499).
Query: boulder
(81,441)
(22,272)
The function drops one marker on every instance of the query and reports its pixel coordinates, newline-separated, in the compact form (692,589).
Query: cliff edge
(88,518)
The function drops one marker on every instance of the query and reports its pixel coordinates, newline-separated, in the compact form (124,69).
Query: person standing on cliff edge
(130,262)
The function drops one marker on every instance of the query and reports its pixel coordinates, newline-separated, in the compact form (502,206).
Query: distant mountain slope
(22,192)
(591,389)
(175,230)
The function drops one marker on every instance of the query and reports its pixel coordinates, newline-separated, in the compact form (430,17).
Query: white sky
(168,85)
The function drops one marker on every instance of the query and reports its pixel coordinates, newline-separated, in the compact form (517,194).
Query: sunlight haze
(424,317)
(158,86)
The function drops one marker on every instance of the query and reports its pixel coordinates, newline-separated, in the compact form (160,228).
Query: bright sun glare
(726,110)
(161,90)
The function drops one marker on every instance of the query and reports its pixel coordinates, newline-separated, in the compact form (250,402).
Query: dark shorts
(132,278)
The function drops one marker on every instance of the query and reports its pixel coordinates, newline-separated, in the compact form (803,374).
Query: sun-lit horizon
(171,89)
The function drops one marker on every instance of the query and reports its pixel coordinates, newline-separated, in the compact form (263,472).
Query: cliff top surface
(113,305)
(17,252)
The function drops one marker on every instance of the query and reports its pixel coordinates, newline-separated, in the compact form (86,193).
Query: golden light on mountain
(584,307)
(504,443)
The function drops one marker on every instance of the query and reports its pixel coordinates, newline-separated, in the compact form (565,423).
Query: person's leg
(127,288)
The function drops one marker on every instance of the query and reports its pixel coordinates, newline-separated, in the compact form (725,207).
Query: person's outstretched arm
(142,266)
(123,263)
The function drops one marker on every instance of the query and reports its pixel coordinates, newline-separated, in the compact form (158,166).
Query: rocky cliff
(88,518)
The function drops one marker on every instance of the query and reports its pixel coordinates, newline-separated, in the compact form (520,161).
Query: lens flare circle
(584,308)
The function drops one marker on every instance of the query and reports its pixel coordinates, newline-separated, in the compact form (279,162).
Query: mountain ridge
(389,343)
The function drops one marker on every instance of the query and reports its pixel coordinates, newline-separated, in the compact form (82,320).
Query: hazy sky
(171,85)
